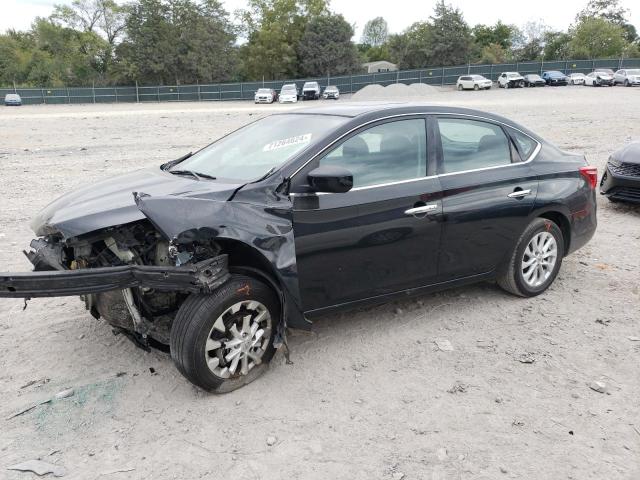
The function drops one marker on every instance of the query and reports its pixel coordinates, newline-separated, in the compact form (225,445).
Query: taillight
(590,174)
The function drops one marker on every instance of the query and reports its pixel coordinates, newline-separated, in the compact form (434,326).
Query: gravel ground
(370,394)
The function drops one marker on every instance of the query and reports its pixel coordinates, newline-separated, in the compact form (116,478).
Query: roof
(378,62)
(356,109)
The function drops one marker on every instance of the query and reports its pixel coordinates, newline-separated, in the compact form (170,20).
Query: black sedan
(534,80)
(621,179)
(301,214)
(555,78)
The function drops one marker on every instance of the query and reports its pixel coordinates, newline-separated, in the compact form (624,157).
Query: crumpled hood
(111,201)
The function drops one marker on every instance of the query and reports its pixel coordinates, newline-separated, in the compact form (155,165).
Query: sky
(399,14)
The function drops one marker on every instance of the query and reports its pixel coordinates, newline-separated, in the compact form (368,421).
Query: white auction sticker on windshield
(287,142)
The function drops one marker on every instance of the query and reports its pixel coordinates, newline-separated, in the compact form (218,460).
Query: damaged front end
(135,257)
(128,275)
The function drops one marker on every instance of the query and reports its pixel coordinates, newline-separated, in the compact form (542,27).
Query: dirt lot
(369,394)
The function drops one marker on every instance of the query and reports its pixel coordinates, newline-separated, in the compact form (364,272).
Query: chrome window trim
(399,115)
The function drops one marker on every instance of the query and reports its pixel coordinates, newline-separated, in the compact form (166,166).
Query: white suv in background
(288,93)
(627,77)
(475,82)
(510,80)
(265,95)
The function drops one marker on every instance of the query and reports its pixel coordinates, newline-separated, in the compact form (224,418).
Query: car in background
(265,95)
(627,77)
(510,80)
(555,78)
(576,79)
(12,100)
(598,79)
(331,92)
(607,71)
(621,178)
(311,91)
(534,80)
(297,215)
(473,82)
(288,93)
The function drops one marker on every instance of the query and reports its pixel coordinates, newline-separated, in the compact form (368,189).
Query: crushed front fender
(202,277)
(262,220)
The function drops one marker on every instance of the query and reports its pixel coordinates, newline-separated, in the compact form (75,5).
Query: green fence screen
(346,84)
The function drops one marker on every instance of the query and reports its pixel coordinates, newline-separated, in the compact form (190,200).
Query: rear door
(488,192)
(383,235)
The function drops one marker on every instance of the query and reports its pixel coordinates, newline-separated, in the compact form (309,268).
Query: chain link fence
(346,83)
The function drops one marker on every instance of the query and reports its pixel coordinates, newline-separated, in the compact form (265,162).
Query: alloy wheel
(539,259)
(238,339)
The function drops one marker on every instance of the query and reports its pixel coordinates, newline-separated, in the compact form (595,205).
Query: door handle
(519,194)
(423,209)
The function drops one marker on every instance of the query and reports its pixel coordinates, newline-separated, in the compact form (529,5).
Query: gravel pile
(396,91)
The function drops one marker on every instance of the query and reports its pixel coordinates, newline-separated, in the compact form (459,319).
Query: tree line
(163,42)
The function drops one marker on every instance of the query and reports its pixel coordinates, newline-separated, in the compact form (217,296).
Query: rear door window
(472,144)
(386,153)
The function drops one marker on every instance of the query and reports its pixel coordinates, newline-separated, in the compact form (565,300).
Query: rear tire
(528,271)
(224,340)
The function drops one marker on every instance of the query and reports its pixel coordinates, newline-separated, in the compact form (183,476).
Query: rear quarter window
(525,144)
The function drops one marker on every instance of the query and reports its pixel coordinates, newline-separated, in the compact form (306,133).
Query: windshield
(310,85)
(264,90)
(288,88)
(555,73)
(260,147)
(331,89)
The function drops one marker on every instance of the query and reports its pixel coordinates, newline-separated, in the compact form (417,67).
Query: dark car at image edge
(302,214)
(621,178)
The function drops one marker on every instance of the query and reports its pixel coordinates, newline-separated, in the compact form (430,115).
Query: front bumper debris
(202,277)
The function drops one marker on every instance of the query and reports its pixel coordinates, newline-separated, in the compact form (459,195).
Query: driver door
(380,237)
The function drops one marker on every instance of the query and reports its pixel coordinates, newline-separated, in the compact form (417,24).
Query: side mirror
(330,179)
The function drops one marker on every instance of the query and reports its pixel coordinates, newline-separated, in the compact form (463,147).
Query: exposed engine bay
(143,312)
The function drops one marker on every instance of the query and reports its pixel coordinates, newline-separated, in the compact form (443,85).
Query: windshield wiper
(168,165)
(196,175)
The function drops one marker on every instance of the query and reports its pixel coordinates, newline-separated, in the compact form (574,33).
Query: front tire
(476,87)
(535,261)
(224,340)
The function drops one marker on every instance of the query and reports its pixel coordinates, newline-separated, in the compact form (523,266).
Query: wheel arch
(247,260)
(560,219)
